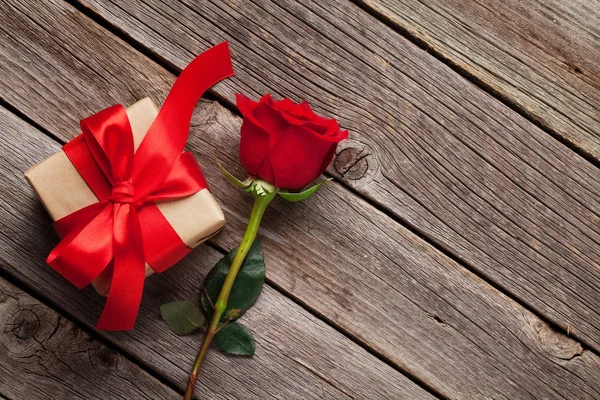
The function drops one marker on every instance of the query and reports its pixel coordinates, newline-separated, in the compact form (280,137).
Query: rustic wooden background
(455,256)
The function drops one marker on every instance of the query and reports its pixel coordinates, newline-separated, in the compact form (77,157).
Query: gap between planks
(213,95)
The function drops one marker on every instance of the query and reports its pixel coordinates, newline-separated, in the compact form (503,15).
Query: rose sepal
(305,194)
(260,188)
(244,185)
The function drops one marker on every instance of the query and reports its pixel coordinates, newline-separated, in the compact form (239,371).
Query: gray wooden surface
(447,161)
(433,150)
(544,55)
(46,356)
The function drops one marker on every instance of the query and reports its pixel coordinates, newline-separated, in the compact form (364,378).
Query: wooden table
(456,254)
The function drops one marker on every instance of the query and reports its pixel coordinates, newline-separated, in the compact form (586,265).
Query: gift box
(127,200)
(62,191)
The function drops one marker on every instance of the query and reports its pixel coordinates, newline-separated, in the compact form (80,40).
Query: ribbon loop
(110,141)
(112,231)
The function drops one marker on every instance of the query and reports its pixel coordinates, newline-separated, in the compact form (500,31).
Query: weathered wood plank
(543,55)
(373,278)
(43,355)
(298,356)
(431,148)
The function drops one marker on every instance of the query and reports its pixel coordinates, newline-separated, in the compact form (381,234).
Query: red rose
(285,143)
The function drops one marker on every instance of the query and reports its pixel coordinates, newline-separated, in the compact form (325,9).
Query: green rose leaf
(246,288)
(235,338)
(183,317)
(294,197)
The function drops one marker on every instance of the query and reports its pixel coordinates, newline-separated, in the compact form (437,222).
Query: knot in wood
(104,358)
(557,343)
(352,163)
(25,324)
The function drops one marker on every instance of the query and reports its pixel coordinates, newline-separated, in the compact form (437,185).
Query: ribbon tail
(125,294)
(84,252)
(162,245)
(166,138)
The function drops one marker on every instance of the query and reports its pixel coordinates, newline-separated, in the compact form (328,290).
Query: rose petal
(254,146)
(298,156)
(305,107)
(265,172)
(328,158)
(293,120)
(245,105)
(330,132)
(268,100)
(247,108)
(300,111)
(333,129)
(271,120)
(321,129)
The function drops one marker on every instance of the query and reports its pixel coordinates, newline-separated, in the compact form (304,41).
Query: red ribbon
(125,229)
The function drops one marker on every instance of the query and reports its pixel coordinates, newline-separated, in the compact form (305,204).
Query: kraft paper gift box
(62,191)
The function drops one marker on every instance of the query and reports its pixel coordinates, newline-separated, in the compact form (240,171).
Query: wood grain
(298,356)
(45,356)
(429,147)
(543,55)
(335,254)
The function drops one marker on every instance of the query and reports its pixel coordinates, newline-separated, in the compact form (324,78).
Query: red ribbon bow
(125,229)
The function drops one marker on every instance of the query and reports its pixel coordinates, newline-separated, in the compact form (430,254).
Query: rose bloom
(285,143)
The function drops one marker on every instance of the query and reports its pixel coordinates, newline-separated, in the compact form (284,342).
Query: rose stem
(258,210)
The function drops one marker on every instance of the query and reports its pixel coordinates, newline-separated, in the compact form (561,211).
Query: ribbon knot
(125,229)
(122,192)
